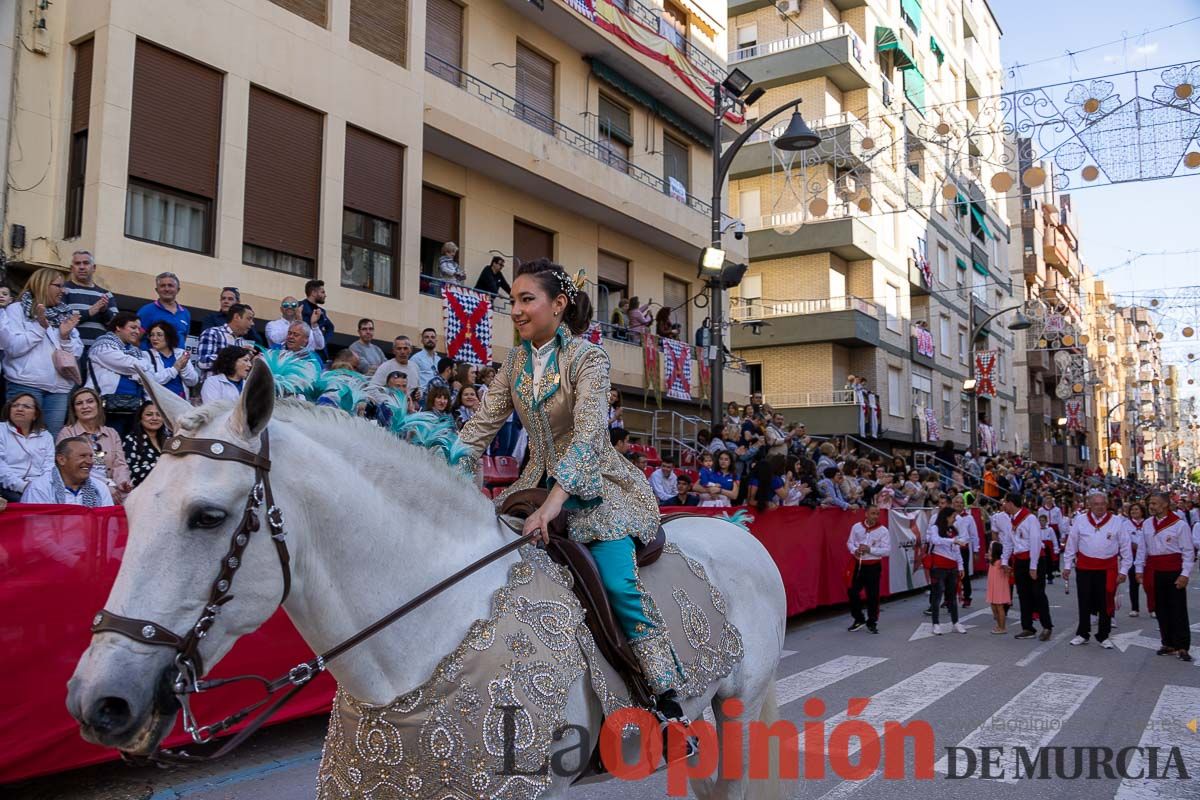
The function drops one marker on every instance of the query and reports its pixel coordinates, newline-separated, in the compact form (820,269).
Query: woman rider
(558,384)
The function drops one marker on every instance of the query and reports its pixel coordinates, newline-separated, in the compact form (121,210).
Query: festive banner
(705,372)
(650,359)
(1074,409)
(593,333)
(468,318)
(987,439)
(935,429)
(985,367)
(679,369)
(924,341)
(923,267)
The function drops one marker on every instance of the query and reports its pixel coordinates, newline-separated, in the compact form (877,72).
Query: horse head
(182,520)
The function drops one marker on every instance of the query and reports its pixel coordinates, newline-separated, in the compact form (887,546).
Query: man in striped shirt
(95,305)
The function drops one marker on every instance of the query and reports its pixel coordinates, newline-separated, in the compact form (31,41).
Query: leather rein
(188,663)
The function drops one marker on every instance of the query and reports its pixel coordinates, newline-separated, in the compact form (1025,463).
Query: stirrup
(668,711)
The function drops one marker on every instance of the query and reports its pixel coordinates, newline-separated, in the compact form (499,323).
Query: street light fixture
(798,136)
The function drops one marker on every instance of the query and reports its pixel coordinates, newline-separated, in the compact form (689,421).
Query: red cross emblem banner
(650,359)
(468,319)
(1074,411)
(679,369)
(985,370)
(593,334)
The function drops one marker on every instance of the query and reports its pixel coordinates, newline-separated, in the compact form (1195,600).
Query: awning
(980,268)
(914,89)
(960,263)
(981,219)
(886,39)
(960,204)
(702,19)
(911,11)
(643,98)
(937,51)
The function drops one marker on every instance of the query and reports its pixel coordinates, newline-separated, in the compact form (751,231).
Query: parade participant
(1099,543)
(1023,560)
(968,540)
(1135,526)
(946,568)
(1056,536)
(869,542)
(1163,567)
(1049,554)
(999,593)
(558,383)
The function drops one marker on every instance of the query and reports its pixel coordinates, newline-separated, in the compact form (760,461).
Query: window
(444,40)
(675,297)
(962,345)
(922,389)
(373,208)
(381,26)
(750,288)
(283,185)
(747,40)
(535,89)
(756,384)
(672,25)
(837,289)
(891,305)
(943,265)
(944,335)
(887,226)
(961,277)
(174,143)
(616,133)
(613,282)
(675,168)
(893,384)
(311,10)
(750,208)
(1003,423)
(964,407)
(81,101)
(531,242)
(947,405)
(439,224)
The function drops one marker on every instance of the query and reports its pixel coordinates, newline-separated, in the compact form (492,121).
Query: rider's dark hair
(552,279)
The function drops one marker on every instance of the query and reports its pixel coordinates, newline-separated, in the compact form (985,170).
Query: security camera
(739,230)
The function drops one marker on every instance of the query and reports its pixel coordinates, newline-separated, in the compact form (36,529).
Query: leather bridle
(188,663)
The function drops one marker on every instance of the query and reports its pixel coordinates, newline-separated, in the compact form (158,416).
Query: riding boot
(668,710)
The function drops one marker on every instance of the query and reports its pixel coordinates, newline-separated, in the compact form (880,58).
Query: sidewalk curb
(249,773)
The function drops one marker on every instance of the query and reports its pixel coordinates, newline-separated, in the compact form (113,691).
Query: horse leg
(758,776)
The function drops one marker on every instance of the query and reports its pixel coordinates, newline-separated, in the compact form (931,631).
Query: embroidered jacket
(566,417)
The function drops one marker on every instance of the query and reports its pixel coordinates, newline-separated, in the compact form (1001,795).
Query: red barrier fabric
(57,564)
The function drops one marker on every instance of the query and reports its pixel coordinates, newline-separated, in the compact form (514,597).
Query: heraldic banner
(468,318)
(678,361)
(985,370)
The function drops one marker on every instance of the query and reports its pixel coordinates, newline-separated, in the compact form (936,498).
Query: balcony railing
(653,19)
(750,310)
(801,216)
(552,127)
(800,40)
(835,397)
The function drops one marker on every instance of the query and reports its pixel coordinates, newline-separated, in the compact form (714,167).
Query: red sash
(941,562)
(1109,566)
(1167,562)
(1021,556)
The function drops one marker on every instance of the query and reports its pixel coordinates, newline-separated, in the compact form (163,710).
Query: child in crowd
(999,594)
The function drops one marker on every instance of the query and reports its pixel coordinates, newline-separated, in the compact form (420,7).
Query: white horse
(371,521)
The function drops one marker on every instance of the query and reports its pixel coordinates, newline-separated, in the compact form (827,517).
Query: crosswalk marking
(1031,718)
(1166,728)
(1041,649)
(813,679)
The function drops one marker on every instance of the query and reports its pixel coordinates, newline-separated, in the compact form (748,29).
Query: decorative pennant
(1074,413)
(679,369)
(650,359)
(985,366)
(705,372)
(468,324)
(924,342)
(935,429)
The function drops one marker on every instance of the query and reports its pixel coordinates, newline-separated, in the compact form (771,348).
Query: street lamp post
(798,136)
(1020,322)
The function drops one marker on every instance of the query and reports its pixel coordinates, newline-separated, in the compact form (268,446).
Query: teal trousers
(617,561)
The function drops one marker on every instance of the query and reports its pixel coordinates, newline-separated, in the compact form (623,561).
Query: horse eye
(207,518)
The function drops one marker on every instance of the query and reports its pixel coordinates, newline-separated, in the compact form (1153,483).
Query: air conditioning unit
(788,8)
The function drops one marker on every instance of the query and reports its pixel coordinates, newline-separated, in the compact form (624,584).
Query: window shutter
(381,26)
(535,88)
(675,161)
(443,36)
(311,10)
(283,175)
(531,243)
(675,295)
(81,87)
(613,269)
(175,126)
(374,175)
(614,121)
(439,215)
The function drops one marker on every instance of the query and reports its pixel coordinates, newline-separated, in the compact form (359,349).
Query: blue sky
(1152,216)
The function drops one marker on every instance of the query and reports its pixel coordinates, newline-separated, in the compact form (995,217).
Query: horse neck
(363,547)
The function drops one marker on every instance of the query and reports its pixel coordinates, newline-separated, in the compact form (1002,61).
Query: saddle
(589,589)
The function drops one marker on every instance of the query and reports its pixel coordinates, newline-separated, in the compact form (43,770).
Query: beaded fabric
(446,738)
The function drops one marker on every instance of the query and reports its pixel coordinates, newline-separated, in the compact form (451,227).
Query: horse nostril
(110,715)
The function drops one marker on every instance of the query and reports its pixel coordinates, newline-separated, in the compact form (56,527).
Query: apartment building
(883,226)
(1152,424)
(262,143)
(1110,349)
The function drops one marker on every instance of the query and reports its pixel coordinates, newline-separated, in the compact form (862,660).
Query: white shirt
(1054,516)
(1048,535)
(218,387)
(40,490)
(541,359)
(1002,524)
(109,364)
(277,333)
(1027,538)
(878,539)
(23,458)
(28,351)
(1135,531)
(946,547)
(968,533)
(392,365)
(1174,538)
(1099,538)
(665,487)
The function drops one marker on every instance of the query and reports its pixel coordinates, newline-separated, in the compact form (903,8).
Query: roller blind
(443,38)
(374,175)
(175,124)
(283,175)
(81,86)
(439,215)
(535,88)
(381,26)
(531,243)
(311,10)
(613,269)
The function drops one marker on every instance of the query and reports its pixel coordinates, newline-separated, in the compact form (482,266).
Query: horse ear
(171,405)
(253,409)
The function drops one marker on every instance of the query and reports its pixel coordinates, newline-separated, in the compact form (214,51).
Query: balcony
(841,143)
(793,233)
(1029,218)
(1037,361)
(473,123)
(825,413)
(1057,250)
(918,357)
(849,321)
(1029,266)
(1040,408)
(835,52)
(919,283)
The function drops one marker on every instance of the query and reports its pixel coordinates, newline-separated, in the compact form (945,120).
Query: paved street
(975,690)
